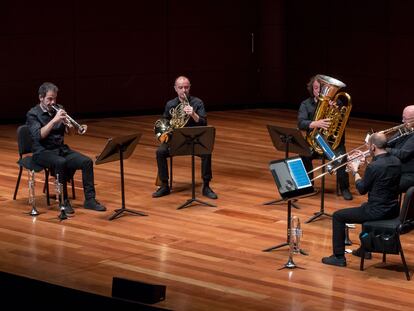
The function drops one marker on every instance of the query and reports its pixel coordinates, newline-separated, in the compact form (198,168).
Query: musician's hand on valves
(59,117)
(322,123)
(353,166)
(189,110)
(333,103)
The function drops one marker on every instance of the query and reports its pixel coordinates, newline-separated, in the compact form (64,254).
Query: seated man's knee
(87,162)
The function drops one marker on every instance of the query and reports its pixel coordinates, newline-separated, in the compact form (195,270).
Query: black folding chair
(383,236)
(24,142)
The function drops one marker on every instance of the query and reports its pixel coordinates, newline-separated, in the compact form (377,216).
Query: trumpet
(70,121)
(32,197)
(295,233)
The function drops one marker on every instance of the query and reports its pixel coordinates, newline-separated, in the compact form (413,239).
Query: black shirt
(306,112)
(36,118)
(198,107)
(381,181)
(403,149)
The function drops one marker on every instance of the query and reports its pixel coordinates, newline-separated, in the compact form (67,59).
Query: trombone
(69,120)
(392,134)
(335,164)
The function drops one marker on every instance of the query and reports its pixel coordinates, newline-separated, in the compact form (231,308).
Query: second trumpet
(80,128)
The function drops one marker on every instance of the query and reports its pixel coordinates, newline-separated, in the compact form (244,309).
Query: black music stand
(120,148)
(196,140)
(289,189)
(321,212)
(331,155)
(288,140)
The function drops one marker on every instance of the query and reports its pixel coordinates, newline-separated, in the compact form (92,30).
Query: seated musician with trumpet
(401,145)
(48,123)
(184,110)
(308,121)
(380,181)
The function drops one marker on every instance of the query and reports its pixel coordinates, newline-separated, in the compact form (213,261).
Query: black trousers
(163,152)
(65,162)
(342,176)
(353,215)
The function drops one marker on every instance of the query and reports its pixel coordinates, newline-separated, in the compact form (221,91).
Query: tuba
(337,114)
(179,118)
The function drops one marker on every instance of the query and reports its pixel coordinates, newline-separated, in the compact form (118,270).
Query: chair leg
(407,272)
(384,257)
(171,172)
(18,183)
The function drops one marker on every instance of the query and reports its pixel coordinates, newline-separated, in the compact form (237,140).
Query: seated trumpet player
(194,115)
(380,182)
(48,124)
(401,145)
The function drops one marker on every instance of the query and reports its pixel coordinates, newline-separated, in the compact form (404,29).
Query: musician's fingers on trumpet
(61,117)
(70,123)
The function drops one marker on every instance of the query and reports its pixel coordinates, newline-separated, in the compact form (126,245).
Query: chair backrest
(24,140)
(407,209)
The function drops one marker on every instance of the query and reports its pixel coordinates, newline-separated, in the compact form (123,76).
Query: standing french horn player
(183,110)
(327,111)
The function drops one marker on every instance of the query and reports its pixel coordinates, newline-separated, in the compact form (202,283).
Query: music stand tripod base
(120,148)
(119,211)
(196,140)
(282,201)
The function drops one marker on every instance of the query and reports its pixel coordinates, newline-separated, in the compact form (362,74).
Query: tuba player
(194,108)
(305,122)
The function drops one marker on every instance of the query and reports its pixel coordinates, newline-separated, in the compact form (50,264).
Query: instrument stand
(289,217)
(283,139)
(120,148)
(62,215)
(32,197)
(197,140)
(321,212)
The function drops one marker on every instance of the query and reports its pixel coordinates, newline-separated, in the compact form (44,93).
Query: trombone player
(380,182)
(197,116)
(402,146)
(305,123)
(48,123)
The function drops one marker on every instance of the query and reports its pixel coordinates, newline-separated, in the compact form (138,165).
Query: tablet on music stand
(291,178)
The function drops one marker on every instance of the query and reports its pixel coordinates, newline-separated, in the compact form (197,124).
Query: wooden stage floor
(210,258)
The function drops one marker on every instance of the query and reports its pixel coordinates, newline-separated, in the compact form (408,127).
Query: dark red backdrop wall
(123,56)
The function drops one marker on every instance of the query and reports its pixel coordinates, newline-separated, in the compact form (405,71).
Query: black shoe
(68,207)
(161,191)
(334,261)
(95,205)
(358,253)
(346,194)
(209,193)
